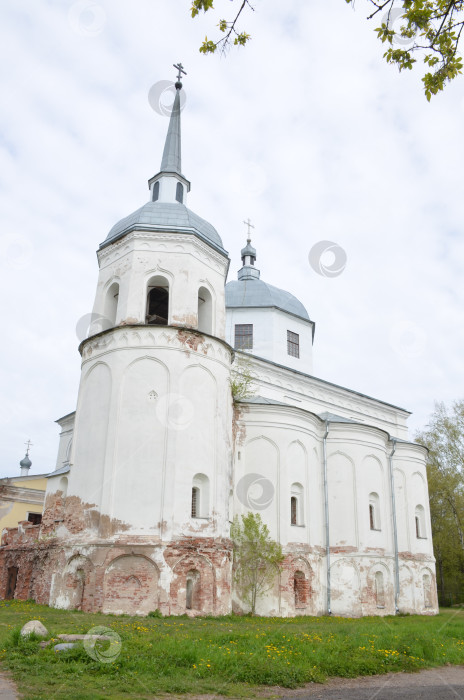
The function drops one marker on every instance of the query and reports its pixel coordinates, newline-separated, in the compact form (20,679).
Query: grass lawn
(228,655)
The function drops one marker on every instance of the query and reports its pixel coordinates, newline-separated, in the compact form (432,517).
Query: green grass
(229,655)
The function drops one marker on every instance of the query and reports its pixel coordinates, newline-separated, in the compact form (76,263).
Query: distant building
(22,497)
(158,458)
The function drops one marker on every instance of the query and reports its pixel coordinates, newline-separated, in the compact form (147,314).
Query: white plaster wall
(317,396)
(158,413)
(280,446)
(186,262)
(270,328)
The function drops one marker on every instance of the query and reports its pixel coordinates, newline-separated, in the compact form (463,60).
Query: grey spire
(171,162)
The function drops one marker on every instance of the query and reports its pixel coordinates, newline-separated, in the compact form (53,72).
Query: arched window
(374,511)
(192,592)
(158,302)
(200,496)
(195,501)
(296,505)
(419,517)
(180,193)
(379,590)
(427,585)
(205,311)
(293,510)
(300,589)
(156,192)
(111,307)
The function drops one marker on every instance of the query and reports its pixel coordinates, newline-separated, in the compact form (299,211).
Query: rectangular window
(244,336)
(34,518)
(293,344)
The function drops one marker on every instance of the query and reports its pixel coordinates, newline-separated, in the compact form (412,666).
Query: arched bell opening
(157,302)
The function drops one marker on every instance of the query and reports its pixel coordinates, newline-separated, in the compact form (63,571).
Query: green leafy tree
(257,558)
(444,438)
(241,379)
(430,29)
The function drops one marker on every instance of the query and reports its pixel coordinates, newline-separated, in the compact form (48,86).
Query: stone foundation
(194,576)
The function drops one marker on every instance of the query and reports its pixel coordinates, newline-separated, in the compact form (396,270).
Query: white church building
(159,456)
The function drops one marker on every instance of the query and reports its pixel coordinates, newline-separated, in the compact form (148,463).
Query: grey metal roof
(252,293)
(61,470)
(163,216)
(264,400)
(334,418)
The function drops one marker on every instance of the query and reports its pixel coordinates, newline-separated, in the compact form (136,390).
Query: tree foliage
(257,558)
(228,27)
(430,29)
(241,379)
(444,437)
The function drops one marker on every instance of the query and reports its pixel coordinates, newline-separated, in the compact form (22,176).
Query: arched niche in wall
(346,588)
(342,500)
(193,585)
(139,455)
(205,311)
(130,585)
(401,506)
(92,422)
(74,582)
(258,486)
(110,308)
(193,414)
(407,599)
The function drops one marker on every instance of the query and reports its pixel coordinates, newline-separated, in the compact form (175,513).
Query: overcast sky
(306,131)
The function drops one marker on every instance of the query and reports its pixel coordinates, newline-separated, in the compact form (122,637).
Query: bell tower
(151,457)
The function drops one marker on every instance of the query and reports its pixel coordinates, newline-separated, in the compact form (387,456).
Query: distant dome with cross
(250,291)
(265,320)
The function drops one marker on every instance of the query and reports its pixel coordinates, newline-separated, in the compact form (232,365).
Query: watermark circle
(255,491)
(175,411)
(393,18)
(91,324)
(161,97)
(104,650)
(408,339)
(87,18)
(327,258)
(16,250)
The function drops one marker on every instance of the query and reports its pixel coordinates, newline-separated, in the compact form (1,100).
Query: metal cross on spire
(180,69)
(250,225)
(28,446)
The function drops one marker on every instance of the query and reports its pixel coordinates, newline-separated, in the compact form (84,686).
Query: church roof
(165,216)
(251,293)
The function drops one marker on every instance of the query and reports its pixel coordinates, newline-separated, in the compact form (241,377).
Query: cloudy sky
(306,131)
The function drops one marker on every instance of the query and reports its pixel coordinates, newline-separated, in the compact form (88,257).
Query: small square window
(34,518)
(293,344)
(244,336)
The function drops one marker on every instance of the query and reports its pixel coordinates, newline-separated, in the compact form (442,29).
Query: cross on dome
(250,225)
(28,444)
(180,69)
